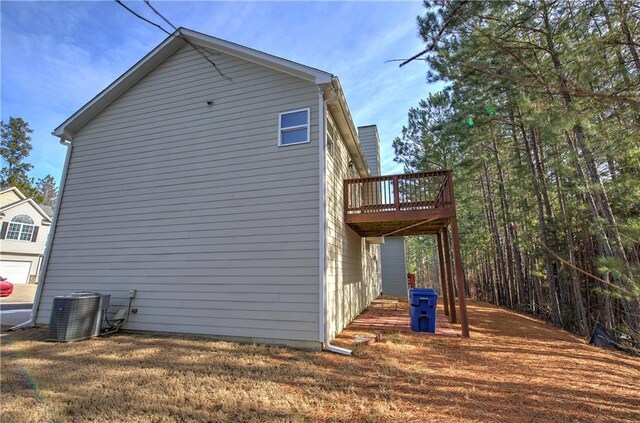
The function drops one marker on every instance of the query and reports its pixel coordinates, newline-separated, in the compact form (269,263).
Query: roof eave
(299,70)
(33,204)
(16,190)
(170,45)
(353,140)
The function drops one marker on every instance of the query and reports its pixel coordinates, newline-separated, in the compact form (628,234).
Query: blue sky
(57,55)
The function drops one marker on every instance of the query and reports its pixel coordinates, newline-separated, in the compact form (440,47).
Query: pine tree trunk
(493,226)
(510,248)
(549,267)
(580,314)
(624,25)
(598,198)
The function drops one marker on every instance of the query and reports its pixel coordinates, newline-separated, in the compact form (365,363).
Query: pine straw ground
(514,368)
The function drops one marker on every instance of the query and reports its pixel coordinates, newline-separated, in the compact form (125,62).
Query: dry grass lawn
(514,368)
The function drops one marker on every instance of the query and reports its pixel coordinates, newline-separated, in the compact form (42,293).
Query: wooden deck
(413,204)
(399,205)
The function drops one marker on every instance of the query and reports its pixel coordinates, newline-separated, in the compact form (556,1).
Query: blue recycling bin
(422,308)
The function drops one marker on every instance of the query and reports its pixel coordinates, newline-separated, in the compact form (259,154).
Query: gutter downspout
(47,252)
(324,339)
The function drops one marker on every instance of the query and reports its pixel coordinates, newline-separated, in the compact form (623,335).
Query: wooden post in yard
(447,265)
(443,280)
(455,238)
(459,277)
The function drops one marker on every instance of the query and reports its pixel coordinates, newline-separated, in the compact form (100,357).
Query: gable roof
(178,40)
(47,209)
(165,49)
(15,190)
(44,211)
(33,204)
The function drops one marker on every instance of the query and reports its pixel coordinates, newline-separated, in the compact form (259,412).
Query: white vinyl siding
(8,197)
(353,270)
(194,205)
(370,143)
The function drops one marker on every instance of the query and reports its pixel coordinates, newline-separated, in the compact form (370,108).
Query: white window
(294,127)
(21,228)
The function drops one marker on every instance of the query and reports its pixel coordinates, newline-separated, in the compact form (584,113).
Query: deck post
(455,238)
(396,192)
(459,277)
(443,280)
(345,197)
(447,265)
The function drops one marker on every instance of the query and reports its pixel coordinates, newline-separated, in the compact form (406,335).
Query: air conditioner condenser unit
(78,315)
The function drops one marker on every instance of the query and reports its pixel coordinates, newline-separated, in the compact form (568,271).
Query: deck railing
(397,193)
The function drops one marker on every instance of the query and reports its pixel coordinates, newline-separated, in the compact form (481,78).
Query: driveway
(10,318)
(16,308)
(22,294)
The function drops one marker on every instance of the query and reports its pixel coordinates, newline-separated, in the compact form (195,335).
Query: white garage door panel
(15,271)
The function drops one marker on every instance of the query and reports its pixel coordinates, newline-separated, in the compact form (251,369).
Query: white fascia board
(308,73)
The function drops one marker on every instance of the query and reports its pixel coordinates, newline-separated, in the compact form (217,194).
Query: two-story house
(219,194)
(24,228)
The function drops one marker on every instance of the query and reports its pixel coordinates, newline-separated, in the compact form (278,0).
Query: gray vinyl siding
(353,271)
(394,267)
(370,143)
(196,206)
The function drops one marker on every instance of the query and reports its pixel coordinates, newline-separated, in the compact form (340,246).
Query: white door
(16,272)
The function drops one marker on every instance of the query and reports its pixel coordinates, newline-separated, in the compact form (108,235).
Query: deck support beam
(448,268)
(443,280)
(460,278)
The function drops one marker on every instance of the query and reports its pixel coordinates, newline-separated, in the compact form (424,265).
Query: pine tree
(15,147)
(47,190)
(539,120)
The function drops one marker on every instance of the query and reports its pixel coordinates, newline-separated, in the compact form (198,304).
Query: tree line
(539,120)
(15,148)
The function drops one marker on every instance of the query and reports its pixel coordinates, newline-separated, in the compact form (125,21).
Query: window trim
(20,228)
(289,128)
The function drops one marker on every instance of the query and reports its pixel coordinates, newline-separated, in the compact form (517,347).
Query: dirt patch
(514,368)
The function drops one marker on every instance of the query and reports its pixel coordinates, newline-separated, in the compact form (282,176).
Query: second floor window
(294,127)
(21,228)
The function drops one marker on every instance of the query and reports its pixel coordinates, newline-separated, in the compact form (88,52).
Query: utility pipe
(322,141)
(47,251)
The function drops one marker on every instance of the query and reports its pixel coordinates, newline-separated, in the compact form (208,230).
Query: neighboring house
(394,267)
(393,254)
(23,233)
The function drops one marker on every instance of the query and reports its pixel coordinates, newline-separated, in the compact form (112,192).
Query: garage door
(15,271)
